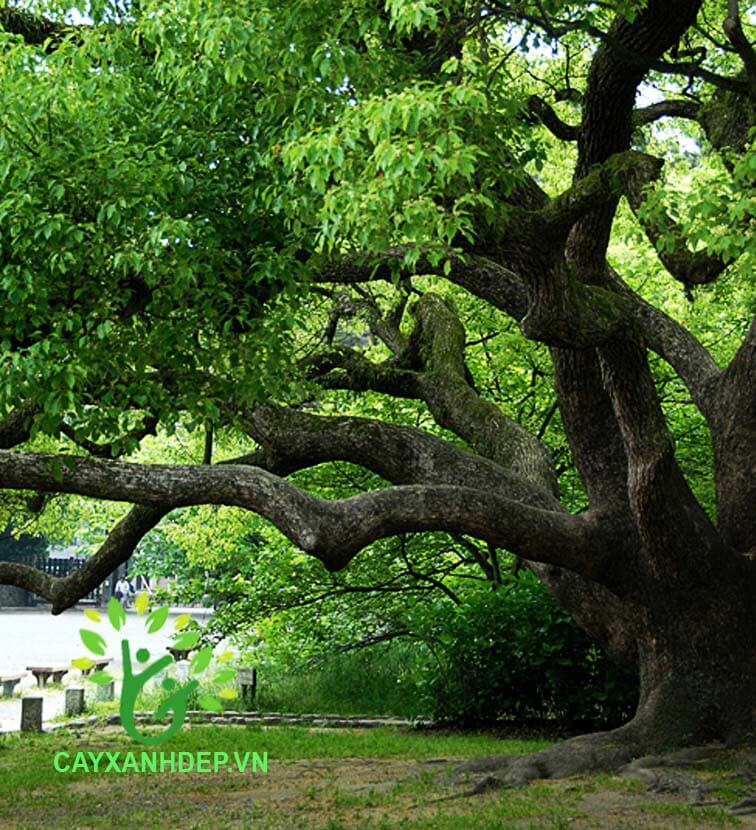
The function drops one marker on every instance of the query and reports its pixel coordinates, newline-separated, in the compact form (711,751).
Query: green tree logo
(138,669)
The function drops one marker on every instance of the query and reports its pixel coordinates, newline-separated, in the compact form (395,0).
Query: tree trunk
(697,664)
(697,660)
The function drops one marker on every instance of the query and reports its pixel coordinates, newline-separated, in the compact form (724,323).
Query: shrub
(513,653)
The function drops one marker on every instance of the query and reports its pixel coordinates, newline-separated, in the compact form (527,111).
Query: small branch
(694,70)
(477,554)
(673,108)
(115,449)
(207,456)
(548,117)
(431,580)
(735,34)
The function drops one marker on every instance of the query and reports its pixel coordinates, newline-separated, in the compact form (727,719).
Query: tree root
(621,750)
(584,754)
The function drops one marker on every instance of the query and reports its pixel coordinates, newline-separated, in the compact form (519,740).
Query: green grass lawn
(370,779)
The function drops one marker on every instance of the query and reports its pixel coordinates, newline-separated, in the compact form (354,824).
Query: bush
(513,653)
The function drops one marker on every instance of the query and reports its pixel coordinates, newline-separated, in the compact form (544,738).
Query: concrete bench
(99,665)
(44,673)
(178,654)
(9,682)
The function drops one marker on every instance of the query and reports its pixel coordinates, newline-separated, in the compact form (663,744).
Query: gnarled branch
(291,440)
(735,34)
(335,531)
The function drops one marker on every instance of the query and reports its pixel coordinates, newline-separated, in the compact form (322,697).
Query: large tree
(181,181)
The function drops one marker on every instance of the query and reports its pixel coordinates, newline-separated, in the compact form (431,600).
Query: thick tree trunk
(696,653)
(698,665)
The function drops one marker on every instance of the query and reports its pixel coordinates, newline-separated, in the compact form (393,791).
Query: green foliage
(514,654)
(168,185)
(13,544)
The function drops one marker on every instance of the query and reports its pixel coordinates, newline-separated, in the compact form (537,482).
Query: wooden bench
(44,673)
(98,665)
(9,682)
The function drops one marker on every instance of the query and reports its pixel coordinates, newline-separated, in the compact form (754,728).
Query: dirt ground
(341,794)
(370,793)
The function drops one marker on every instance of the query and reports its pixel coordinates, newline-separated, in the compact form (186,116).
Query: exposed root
(586,753)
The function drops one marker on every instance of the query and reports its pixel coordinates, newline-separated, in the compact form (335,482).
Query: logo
(140,667)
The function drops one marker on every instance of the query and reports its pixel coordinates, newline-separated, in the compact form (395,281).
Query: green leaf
(100,677)
(181,622)
(186,639)
(93,641)
(228,694)
(93,615)
(224,676)
(83,663)
(141,603)
(210,703)
(201,660)
(116,614)
(156,619)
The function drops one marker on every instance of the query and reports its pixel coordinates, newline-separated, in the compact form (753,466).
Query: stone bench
(9,682)
(44,673)
(98,665)
(179,654)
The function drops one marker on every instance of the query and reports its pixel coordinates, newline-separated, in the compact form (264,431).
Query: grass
(378,779)
(370,682)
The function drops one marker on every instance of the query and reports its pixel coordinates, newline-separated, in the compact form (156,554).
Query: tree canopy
(496,257)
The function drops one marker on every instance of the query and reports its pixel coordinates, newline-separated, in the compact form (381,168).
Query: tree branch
(603,184)
(35,29)
(733,437)
(292,440)
(678,537)
(673,108)
(553,123)
(735,34)
(690,268)
(682,350)
(335,531)
(440,378)
(690,69)
(63,592)
(630,49)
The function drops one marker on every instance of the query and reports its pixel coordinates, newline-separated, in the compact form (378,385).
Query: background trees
(328,229)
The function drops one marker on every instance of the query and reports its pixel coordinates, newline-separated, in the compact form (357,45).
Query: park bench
(97,665)
(44,673)
(9,682)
